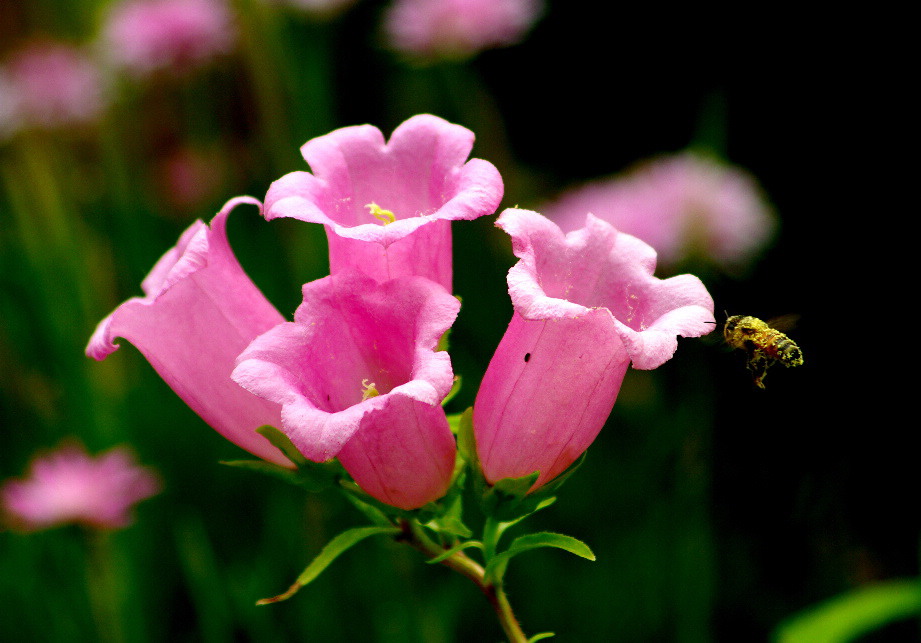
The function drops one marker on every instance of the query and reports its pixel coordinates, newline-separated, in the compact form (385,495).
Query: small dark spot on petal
(527,357)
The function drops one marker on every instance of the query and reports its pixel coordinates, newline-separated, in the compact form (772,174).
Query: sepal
(508,499)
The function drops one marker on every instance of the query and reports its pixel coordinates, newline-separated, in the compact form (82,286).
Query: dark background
(716,510)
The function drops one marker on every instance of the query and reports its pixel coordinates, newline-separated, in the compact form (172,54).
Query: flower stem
(415,536)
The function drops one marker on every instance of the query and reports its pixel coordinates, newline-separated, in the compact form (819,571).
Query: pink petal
(597,267)
(547,392)
(404,454)
(420,175)
(586,305)
(200,311)
(350,331)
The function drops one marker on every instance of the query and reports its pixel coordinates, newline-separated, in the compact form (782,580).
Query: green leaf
(281,442)
(541,636)
(455,389)
(375,515)
(466,443)
(495,570)
(508,499)
(261,466)
(450,552)
(313,476)
(543,504)
(327,555)
(551,487)
(849,615)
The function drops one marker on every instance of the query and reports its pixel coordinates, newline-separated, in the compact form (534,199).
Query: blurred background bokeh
(716,510)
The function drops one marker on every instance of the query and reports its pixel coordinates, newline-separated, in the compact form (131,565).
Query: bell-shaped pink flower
(69,486)
(387,206)
(199,311)
(586,306)
(358,376)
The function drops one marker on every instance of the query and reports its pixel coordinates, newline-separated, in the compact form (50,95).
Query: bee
(763,343)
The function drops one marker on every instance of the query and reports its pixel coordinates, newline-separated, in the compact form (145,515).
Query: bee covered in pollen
(763,343)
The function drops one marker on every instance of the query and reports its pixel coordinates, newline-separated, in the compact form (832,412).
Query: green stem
(490,538)
(415,536)
(104,593)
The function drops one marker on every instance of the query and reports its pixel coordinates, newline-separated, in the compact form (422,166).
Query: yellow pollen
(368,390)
(386,216)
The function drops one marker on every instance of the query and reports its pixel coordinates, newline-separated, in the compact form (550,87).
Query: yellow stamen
(386,216)
(369,390)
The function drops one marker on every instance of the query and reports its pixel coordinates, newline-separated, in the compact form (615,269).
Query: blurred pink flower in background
(146,36)
(421,178)
(9,116)
(682,205)
(586,306)
(188,176)
(458,28)
(70,486)
(50,84)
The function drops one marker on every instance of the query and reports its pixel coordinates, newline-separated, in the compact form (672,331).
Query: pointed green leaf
(455,389)
(495,570)
(267,468)
(375,515)
(327,555)
(466,443)
(849,615)
(551,487)
(543,504)
(450,552)
(281,442)
(450,526)
(541,636)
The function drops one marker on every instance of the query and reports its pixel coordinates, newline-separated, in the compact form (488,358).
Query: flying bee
(763,343)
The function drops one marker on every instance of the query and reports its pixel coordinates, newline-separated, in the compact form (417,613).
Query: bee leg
(758,366)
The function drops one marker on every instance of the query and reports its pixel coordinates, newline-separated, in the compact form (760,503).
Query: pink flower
(146,36)
(586,306)
(358,376)
(69,486)
(681,205)
(458,28)
(188,177)
(51,84)
(387,206)
(199,311)
(9,113)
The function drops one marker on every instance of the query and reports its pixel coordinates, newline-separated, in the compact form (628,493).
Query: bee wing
(784,323)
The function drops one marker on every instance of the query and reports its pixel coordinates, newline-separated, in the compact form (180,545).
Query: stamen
(386,216)
(369,390)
